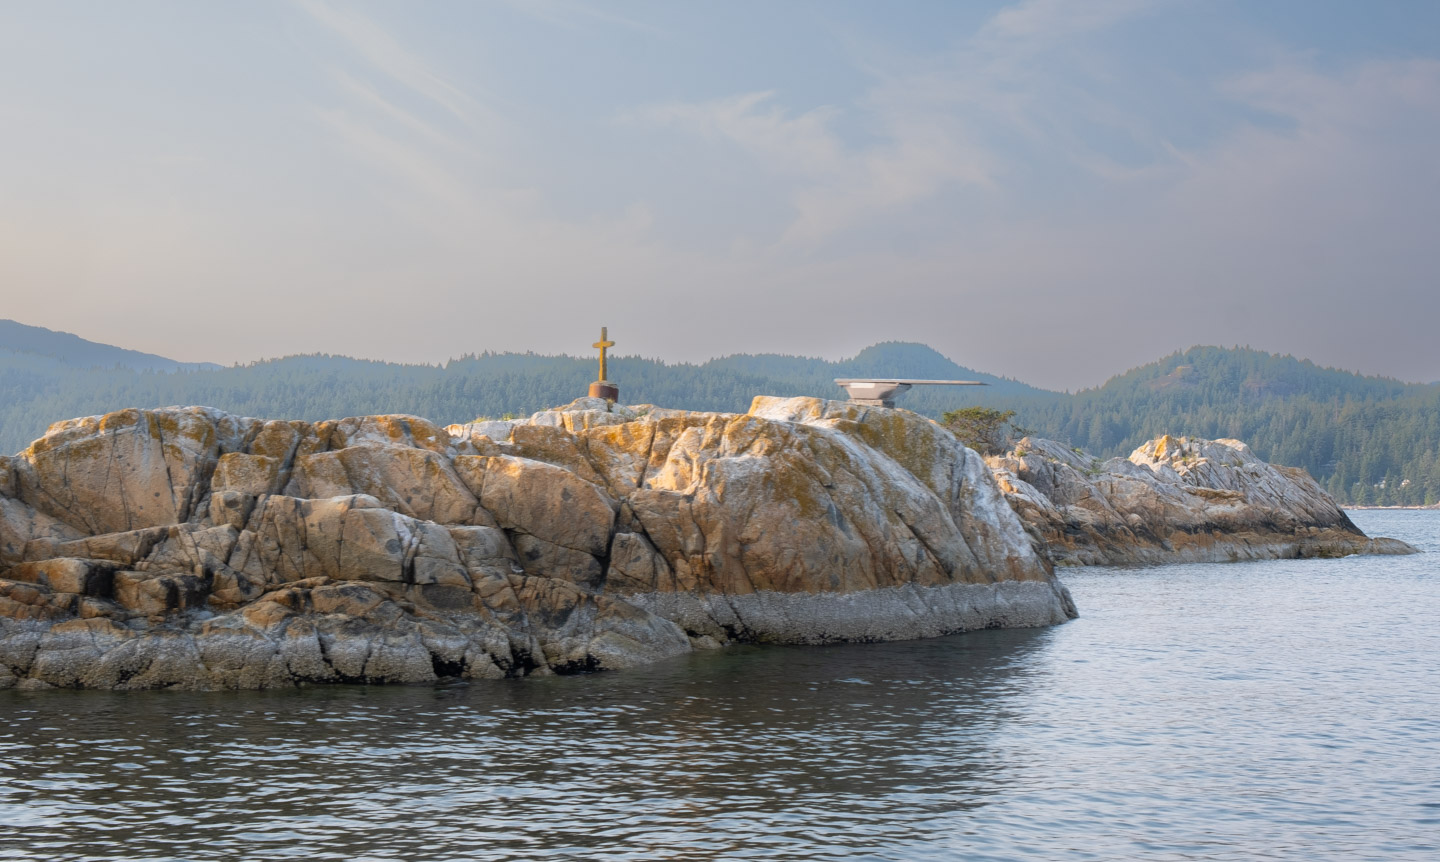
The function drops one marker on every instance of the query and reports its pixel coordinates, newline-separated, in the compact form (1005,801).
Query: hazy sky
(1050,190)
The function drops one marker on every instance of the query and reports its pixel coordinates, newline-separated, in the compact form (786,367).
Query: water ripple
(1256,711)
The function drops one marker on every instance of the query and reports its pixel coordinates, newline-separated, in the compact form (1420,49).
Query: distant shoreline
(1433,508)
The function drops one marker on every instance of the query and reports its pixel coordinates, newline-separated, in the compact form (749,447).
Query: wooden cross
(602,344)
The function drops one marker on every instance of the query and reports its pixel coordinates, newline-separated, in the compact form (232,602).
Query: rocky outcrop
(1175,499)
(187,547)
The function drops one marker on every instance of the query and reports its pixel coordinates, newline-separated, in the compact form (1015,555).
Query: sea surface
(1275,710)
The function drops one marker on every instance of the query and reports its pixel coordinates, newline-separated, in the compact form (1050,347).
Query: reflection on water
(1225,712)
(755,749)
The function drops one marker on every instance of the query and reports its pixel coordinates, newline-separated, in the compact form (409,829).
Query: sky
(1052,191)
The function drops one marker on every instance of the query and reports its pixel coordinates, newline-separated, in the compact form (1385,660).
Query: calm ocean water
(1247,711)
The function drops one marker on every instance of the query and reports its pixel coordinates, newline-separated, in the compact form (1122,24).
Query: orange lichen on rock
(189,547)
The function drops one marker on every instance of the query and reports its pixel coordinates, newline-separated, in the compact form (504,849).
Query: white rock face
(188,547)
(1175,499)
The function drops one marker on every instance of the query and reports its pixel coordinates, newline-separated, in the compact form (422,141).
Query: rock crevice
(187,547)
(1175,499)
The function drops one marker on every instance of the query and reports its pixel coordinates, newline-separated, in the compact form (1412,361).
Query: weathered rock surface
(187,547)
(1175,499)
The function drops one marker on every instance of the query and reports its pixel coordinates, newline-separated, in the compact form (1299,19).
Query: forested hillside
(1370,440)
(36,390)
(67,349)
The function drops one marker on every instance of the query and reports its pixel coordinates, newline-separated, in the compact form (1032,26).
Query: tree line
(1369,440)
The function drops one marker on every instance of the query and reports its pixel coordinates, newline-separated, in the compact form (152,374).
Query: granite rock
(1175,499)
(190,548)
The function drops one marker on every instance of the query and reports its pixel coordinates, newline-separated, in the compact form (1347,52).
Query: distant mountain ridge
(42,384)
(1369,440)
(68,349)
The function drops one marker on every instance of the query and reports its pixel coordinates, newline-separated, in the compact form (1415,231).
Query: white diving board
(881,391)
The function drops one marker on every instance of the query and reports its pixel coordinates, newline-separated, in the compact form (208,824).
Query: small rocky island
(188,547)
(1175,499)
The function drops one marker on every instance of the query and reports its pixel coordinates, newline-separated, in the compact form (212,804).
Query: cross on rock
(603,388)
(603,343)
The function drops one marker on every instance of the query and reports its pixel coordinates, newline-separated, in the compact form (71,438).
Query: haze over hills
(66,349)
(38,388)
(1369,439)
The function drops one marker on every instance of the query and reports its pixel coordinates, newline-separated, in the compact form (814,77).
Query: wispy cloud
(389,57)
(834,185)
(571,14)
(371,101)
(1038,22)
(929,127)
(780,141)
(434,140)
(1049,168)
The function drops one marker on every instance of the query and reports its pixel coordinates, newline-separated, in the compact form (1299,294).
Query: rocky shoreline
(1175,499)
(191,548)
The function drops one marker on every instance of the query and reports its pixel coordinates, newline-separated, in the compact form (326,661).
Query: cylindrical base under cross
(605,389)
